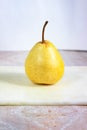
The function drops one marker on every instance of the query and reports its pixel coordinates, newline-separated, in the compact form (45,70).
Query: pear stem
(43,30)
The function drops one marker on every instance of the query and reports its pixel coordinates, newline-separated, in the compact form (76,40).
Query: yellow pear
(44,64)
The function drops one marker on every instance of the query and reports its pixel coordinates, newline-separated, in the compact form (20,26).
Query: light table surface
(43,117)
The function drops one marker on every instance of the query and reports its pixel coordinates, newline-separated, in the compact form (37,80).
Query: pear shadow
(18,79)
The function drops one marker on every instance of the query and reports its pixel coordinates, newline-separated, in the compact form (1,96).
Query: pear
(44,64)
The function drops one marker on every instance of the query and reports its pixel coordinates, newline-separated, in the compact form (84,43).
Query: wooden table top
(43,117)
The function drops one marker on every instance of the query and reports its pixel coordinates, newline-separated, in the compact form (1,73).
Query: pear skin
(44,63)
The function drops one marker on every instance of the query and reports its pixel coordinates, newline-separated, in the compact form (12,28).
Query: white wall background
(21,22)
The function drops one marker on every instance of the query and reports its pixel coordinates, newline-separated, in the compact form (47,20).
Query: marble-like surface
(16,89)
(43,117)
(17,58)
